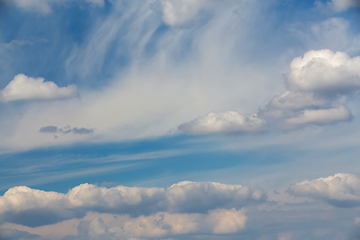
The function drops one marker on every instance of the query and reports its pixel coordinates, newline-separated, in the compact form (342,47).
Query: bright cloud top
(226,122)
(341,190)
(324,72)
(185,197)
(314,85)
(23,87)
(44,6)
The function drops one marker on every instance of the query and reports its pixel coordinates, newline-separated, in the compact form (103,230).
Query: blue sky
(179,119)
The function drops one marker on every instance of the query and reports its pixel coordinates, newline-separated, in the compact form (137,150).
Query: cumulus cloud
(163,224)
(226,122)
(44,6)
(314,85)
(324,72)
(23,87)
(340,190)
(32,207)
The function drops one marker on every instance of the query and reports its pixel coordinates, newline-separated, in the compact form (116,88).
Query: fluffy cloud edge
(340,190)
(24,88)
(315,84)
(184,197)
(225,122)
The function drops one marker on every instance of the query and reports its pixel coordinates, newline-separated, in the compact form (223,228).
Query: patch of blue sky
(127,163)
(42,42)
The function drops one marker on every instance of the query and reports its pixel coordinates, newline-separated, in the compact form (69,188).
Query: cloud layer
(340,190)
(19,203)
(315,84)
(163,224)
(23,87)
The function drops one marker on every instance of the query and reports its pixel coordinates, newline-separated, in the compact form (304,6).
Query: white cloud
(314,86)
(219,221)
(164,224)
(41,6)
(290,104)
(180,12)
(341,5)
(318,117)
(44,6)
(324,72)
(186,197)
(226,122)
(341,190)
(23,87)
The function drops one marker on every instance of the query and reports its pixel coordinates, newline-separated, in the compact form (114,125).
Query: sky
(179,119)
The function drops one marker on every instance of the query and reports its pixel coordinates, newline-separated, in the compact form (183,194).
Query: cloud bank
(315,84)
(340,190)
(30,207)
(159,225)
(23,87)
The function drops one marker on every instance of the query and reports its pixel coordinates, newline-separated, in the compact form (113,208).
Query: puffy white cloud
(23,87)
(44,6)
(314,85)
(180,12)
(324,72)
(19,203)
(164,224)
(341,5)
(341,190)
(226,122)
(219,221)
